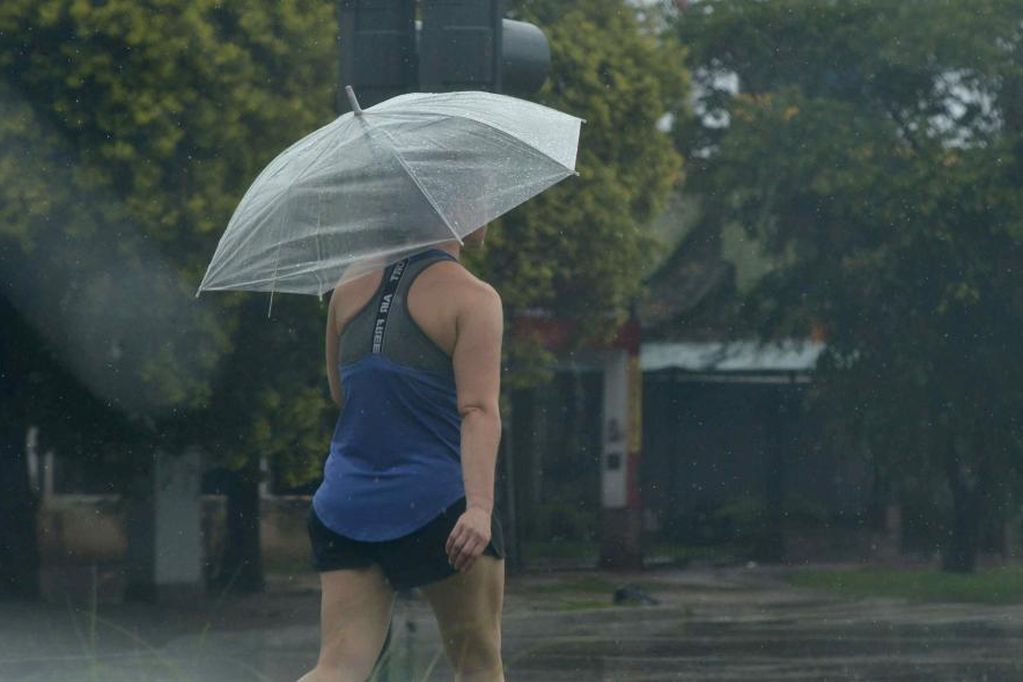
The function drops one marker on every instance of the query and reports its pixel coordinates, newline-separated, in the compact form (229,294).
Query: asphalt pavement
(735,624)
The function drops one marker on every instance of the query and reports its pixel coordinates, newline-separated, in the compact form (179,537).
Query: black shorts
(412,560)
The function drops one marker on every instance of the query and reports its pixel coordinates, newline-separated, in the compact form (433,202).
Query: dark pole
(19,550)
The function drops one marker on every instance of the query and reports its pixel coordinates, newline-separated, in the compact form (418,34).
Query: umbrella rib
(537,151)
(276,280)
(529,143)
(506,134)
(319,250)
(277,263)
(250,235)
(412,174)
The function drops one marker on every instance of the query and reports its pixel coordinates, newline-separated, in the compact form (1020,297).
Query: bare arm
(332,352)
(477,363)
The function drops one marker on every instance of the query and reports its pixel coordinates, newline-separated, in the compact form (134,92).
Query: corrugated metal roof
(736,356)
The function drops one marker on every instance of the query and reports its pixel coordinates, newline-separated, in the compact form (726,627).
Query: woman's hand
(469,538)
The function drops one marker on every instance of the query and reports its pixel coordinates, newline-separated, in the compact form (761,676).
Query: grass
(561,549)
(583,604)
(682,555)
(588,583)
(584,593)
(591,584)
(145,662)
(674,553)
(996,586)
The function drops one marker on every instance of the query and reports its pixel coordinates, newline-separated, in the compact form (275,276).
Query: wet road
(744,625)
(796,642)
(732,624)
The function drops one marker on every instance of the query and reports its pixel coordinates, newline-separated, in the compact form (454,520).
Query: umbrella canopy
(379,184)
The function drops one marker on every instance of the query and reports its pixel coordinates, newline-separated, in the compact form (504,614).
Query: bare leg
(355,610)
(468,610)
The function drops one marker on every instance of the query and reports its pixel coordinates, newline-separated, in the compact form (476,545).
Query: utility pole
(621,520)
(460,45)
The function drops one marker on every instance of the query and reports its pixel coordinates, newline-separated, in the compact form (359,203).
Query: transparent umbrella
(379,184)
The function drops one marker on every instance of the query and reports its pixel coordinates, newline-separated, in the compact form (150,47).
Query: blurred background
(776,319)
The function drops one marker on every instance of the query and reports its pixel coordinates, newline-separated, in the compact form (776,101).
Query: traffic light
(526,58)
(468,45)
(461,45)
(377,41)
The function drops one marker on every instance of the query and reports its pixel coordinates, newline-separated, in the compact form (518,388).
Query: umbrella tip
(356,109)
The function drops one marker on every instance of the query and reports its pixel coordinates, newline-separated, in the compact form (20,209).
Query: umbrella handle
(356,109)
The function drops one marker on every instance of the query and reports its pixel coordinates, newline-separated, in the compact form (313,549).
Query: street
(710,624)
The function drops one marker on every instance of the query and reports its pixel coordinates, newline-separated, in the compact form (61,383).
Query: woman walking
(407,499)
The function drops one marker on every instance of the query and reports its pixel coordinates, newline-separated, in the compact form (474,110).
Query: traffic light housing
(461,45)
(377,41)
(525,58)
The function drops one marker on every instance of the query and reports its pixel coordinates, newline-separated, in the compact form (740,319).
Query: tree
(874,150)
(19,557)
(580,249)
(131,129)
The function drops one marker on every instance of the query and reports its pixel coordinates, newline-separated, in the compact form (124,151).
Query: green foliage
(747,516)
(585,552)
(173,107)
(271,399)
(130,130)
(999,586)
(580,248)
(876,149)
(565,521)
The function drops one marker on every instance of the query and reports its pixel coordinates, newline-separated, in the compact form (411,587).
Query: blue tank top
(395,456)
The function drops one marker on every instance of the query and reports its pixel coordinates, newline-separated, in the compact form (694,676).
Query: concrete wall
(83,541)
(178,505)
(82,529)
(283,532)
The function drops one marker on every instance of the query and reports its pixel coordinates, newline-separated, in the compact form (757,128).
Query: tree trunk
(140,527)
(242,569)
(769,546)
(19,550)
(525,460)
(968,487)
(513,549)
